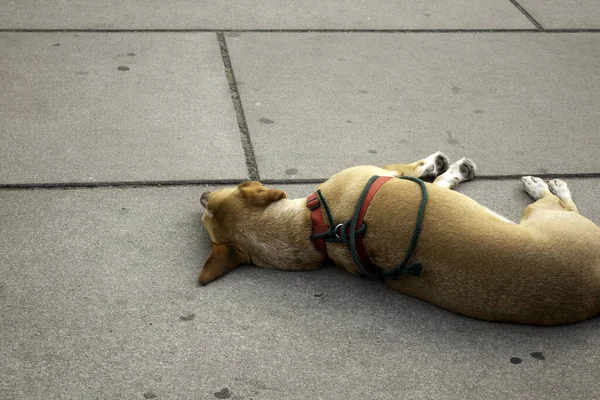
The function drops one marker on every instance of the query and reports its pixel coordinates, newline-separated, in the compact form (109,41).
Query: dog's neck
(286,209)
(281,237)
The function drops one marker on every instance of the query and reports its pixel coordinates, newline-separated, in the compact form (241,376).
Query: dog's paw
(535,187)
(435,164)
(459,171)
(560,189)
(463,169)
(467,168)
(441,163)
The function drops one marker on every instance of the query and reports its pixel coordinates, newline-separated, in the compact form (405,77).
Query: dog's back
(475,263)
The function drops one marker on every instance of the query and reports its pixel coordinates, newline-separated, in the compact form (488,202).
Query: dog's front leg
(429,167)
(460,171)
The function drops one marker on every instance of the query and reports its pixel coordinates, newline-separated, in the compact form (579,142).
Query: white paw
(535,187)
(559,189)
(463,169)
(467,168)
(460,171)
(435,164)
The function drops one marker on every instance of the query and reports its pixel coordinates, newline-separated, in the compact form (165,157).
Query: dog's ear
(259,195)
(222,259)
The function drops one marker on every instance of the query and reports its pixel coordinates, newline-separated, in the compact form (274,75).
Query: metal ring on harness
(338,230)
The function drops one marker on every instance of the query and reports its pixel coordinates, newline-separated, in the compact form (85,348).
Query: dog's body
(543,271)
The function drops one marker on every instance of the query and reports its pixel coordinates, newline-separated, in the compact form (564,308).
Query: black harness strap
(347,233)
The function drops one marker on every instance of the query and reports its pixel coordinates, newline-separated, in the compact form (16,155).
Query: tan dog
(543,271)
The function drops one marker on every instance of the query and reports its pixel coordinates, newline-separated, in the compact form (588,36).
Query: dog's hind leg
(571,241)
(551,196)
(559,189)
(460,171)
(429,167)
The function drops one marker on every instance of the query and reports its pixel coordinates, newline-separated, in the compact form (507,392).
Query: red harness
(320,226)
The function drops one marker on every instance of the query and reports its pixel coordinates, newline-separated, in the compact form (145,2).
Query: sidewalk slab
(564,14)
(90,107)
(270,14)
(99,300)
(516,103)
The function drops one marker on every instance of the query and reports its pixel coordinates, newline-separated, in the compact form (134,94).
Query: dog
(544,270)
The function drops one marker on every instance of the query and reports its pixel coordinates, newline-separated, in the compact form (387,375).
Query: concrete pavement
(352,98)
(115,116)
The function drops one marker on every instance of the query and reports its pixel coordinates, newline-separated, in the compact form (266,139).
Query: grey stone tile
(564,14)
(115,107)
(269,14)
(515,103)
(98,300)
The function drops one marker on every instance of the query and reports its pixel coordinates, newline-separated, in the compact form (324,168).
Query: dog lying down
(466,258)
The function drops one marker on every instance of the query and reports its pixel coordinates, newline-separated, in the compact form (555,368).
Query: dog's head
(226,211)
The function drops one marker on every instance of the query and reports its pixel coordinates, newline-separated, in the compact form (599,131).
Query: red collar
(320,226)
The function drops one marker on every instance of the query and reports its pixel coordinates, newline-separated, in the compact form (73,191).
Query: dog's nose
(204,198)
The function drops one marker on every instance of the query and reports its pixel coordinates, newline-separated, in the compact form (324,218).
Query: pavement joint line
(223,182)
(527,15)
(251,164)
(118,184)
(571,30)
(540,29)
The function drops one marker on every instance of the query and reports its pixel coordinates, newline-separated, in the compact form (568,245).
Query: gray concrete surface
(69,114)
(99,300)
(564,14)
(270,14)
(355,98)
(97,290)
